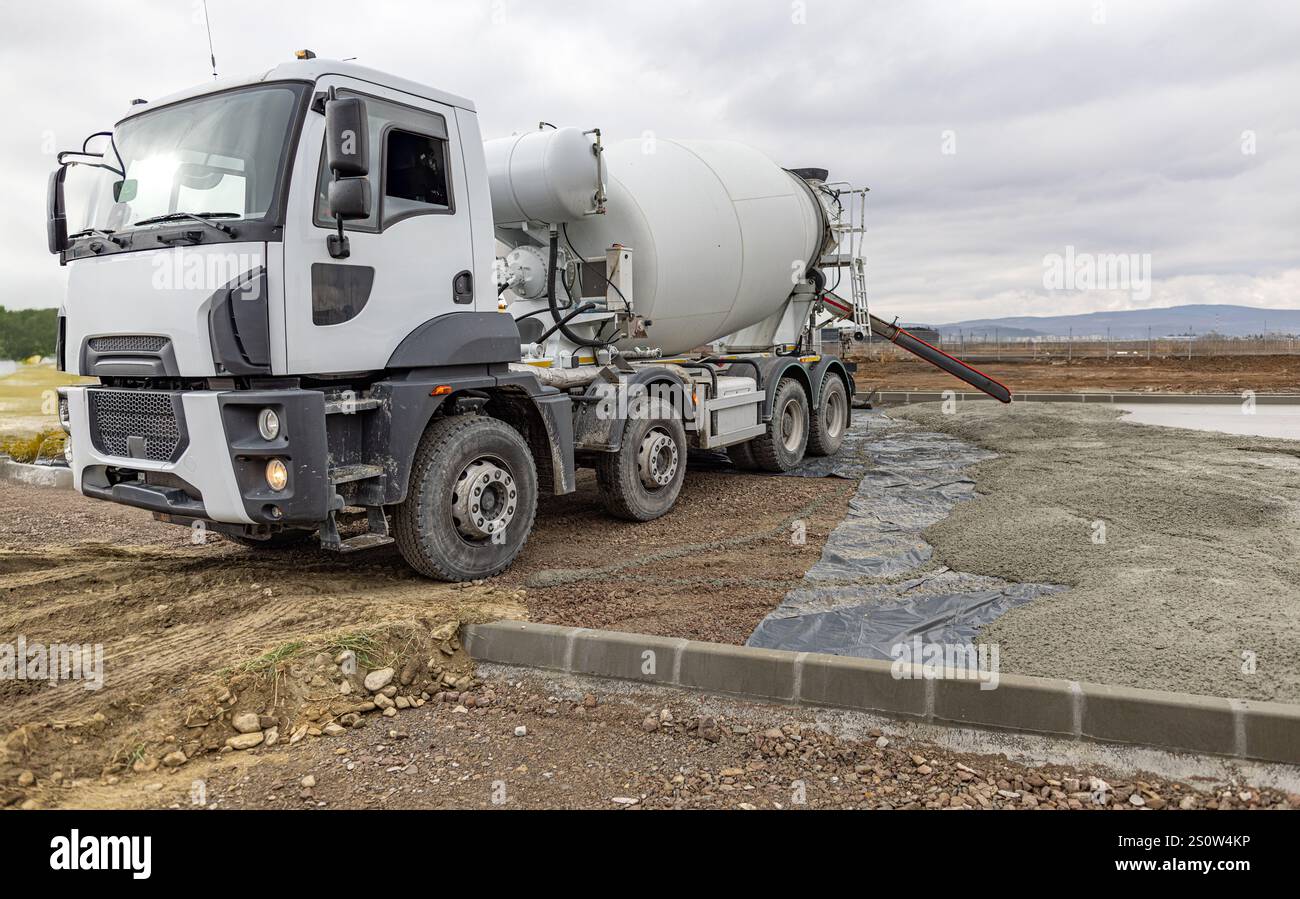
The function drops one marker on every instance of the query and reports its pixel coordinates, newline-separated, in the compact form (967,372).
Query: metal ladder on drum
(851,226)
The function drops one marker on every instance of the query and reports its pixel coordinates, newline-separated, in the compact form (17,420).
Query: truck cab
(289,290)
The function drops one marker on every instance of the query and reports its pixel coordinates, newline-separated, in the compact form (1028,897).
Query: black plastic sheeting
(910,480)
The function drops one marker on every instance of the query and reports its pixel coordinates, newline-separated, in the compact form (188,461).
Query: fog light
(67,452)
(277,476)
(268,424)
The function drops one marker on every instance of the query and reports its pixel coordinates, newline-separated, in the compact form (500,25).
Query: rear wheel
(641,481)
(782,447)
(471,500)
(830,418)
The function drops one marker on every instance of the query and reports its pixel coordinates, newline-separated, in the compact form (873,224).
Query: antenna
(211,53)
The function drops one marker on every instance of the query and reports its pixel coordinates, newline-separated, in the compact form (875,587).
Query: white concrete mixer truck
(289,289)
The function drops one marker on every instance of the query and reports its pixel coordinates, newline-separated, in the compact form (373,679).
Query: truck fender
(830,366)
(595,428)
(773,369)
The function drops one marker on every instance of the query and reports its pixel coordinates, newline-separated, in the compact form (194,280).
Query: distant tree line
(27,332)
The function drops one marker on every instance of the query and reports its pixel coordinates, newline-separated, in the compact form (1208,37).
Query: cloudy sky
(992,134)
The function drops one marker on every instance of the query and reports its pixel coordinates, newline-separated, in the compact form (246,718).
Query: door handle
(462,287)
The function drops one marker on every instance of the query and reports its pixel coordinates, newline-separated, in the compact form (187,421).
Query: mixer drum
(720,235)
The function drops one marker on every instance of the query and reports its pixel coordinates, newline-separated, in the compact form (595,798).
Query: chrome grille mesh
(117,416)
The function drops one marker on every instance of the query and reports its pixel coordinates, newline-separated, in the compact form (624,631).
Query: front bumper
(211,464)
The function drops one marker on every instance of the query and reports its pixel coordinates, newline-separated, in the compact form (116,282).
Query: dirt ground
(536,741)
(1181,548)
(181,622)
(1215,374)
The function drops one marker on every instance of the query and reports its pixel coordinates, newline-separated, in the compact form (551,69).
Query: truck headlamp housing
(277,475)
(268,424)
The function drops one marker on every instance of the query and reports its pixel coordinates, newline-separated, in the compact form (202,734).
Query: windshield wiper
(203,218)
(117,241)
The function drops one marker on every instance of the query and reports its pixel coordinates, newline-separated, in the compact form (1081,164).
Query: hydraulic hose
(562,322)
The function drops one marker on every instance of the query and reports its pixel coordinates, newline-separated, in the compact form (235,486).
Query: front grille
(128,343)
(136,424)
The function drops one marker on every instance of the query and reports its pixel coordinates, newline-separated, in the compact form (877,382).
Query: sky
(993,135)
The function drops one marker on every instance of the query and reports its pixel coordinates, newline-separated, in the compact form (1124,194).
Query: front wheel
(471,501)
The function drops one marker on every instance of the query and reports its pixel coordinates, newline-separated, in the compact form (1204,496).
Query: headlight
(268,424)
(65,414)
(277,476)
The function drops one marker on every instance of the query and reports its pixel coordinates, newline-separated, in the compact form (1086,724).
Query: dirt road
(177,620)
(532,741)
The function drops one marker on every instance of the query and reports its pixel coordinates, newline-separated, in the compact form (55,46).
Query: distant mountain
(1230,321)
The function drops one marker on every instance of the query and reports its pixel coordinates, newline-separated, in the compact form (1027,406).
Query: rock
(333,729)
(271,736)
(402,702)
(351,719)
(924,769)
(918,760)
(308,782)
(708,729)
(383,702)
(345,688)
(378,679)
(589,701)
(245,741)
(390,691)
(882,742)
(521,731)
(731,772)
(298,733)
(347,660)
(26,779)
(391,711)
(247,723)
(774,733)
(1187,803)
(174,759)
(265,721)
(650,724)
(1070,785)
(1137,800)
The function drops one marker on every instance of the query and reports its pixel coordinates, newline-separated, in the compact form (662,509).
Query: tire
(742,456)
(279,540)
(641,481)
(783,446)
(830,418)
(444,528)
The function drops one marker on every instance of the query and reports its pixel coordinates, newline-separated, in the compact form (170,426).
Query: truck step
(359,542)
(345,473)
(344,407)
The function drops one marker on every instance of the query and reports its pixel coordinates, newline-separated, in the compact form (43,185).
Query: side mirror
(56,221)
(347,137)
(124,191)
(349,198)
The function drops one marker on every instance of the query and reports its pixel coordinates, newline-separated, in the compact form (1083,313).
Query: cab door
(407,260)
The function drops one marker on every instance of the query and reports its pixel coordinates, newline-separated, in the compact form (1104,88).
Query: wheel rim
(834,414)
(484,499)
(657,459)
(792,426)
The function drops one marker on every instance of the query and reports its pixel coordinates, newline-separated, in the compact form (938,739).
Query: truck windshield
(218,155)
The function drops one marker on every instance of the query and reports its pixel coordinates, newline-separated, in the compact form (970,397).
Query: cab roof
(309,70)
